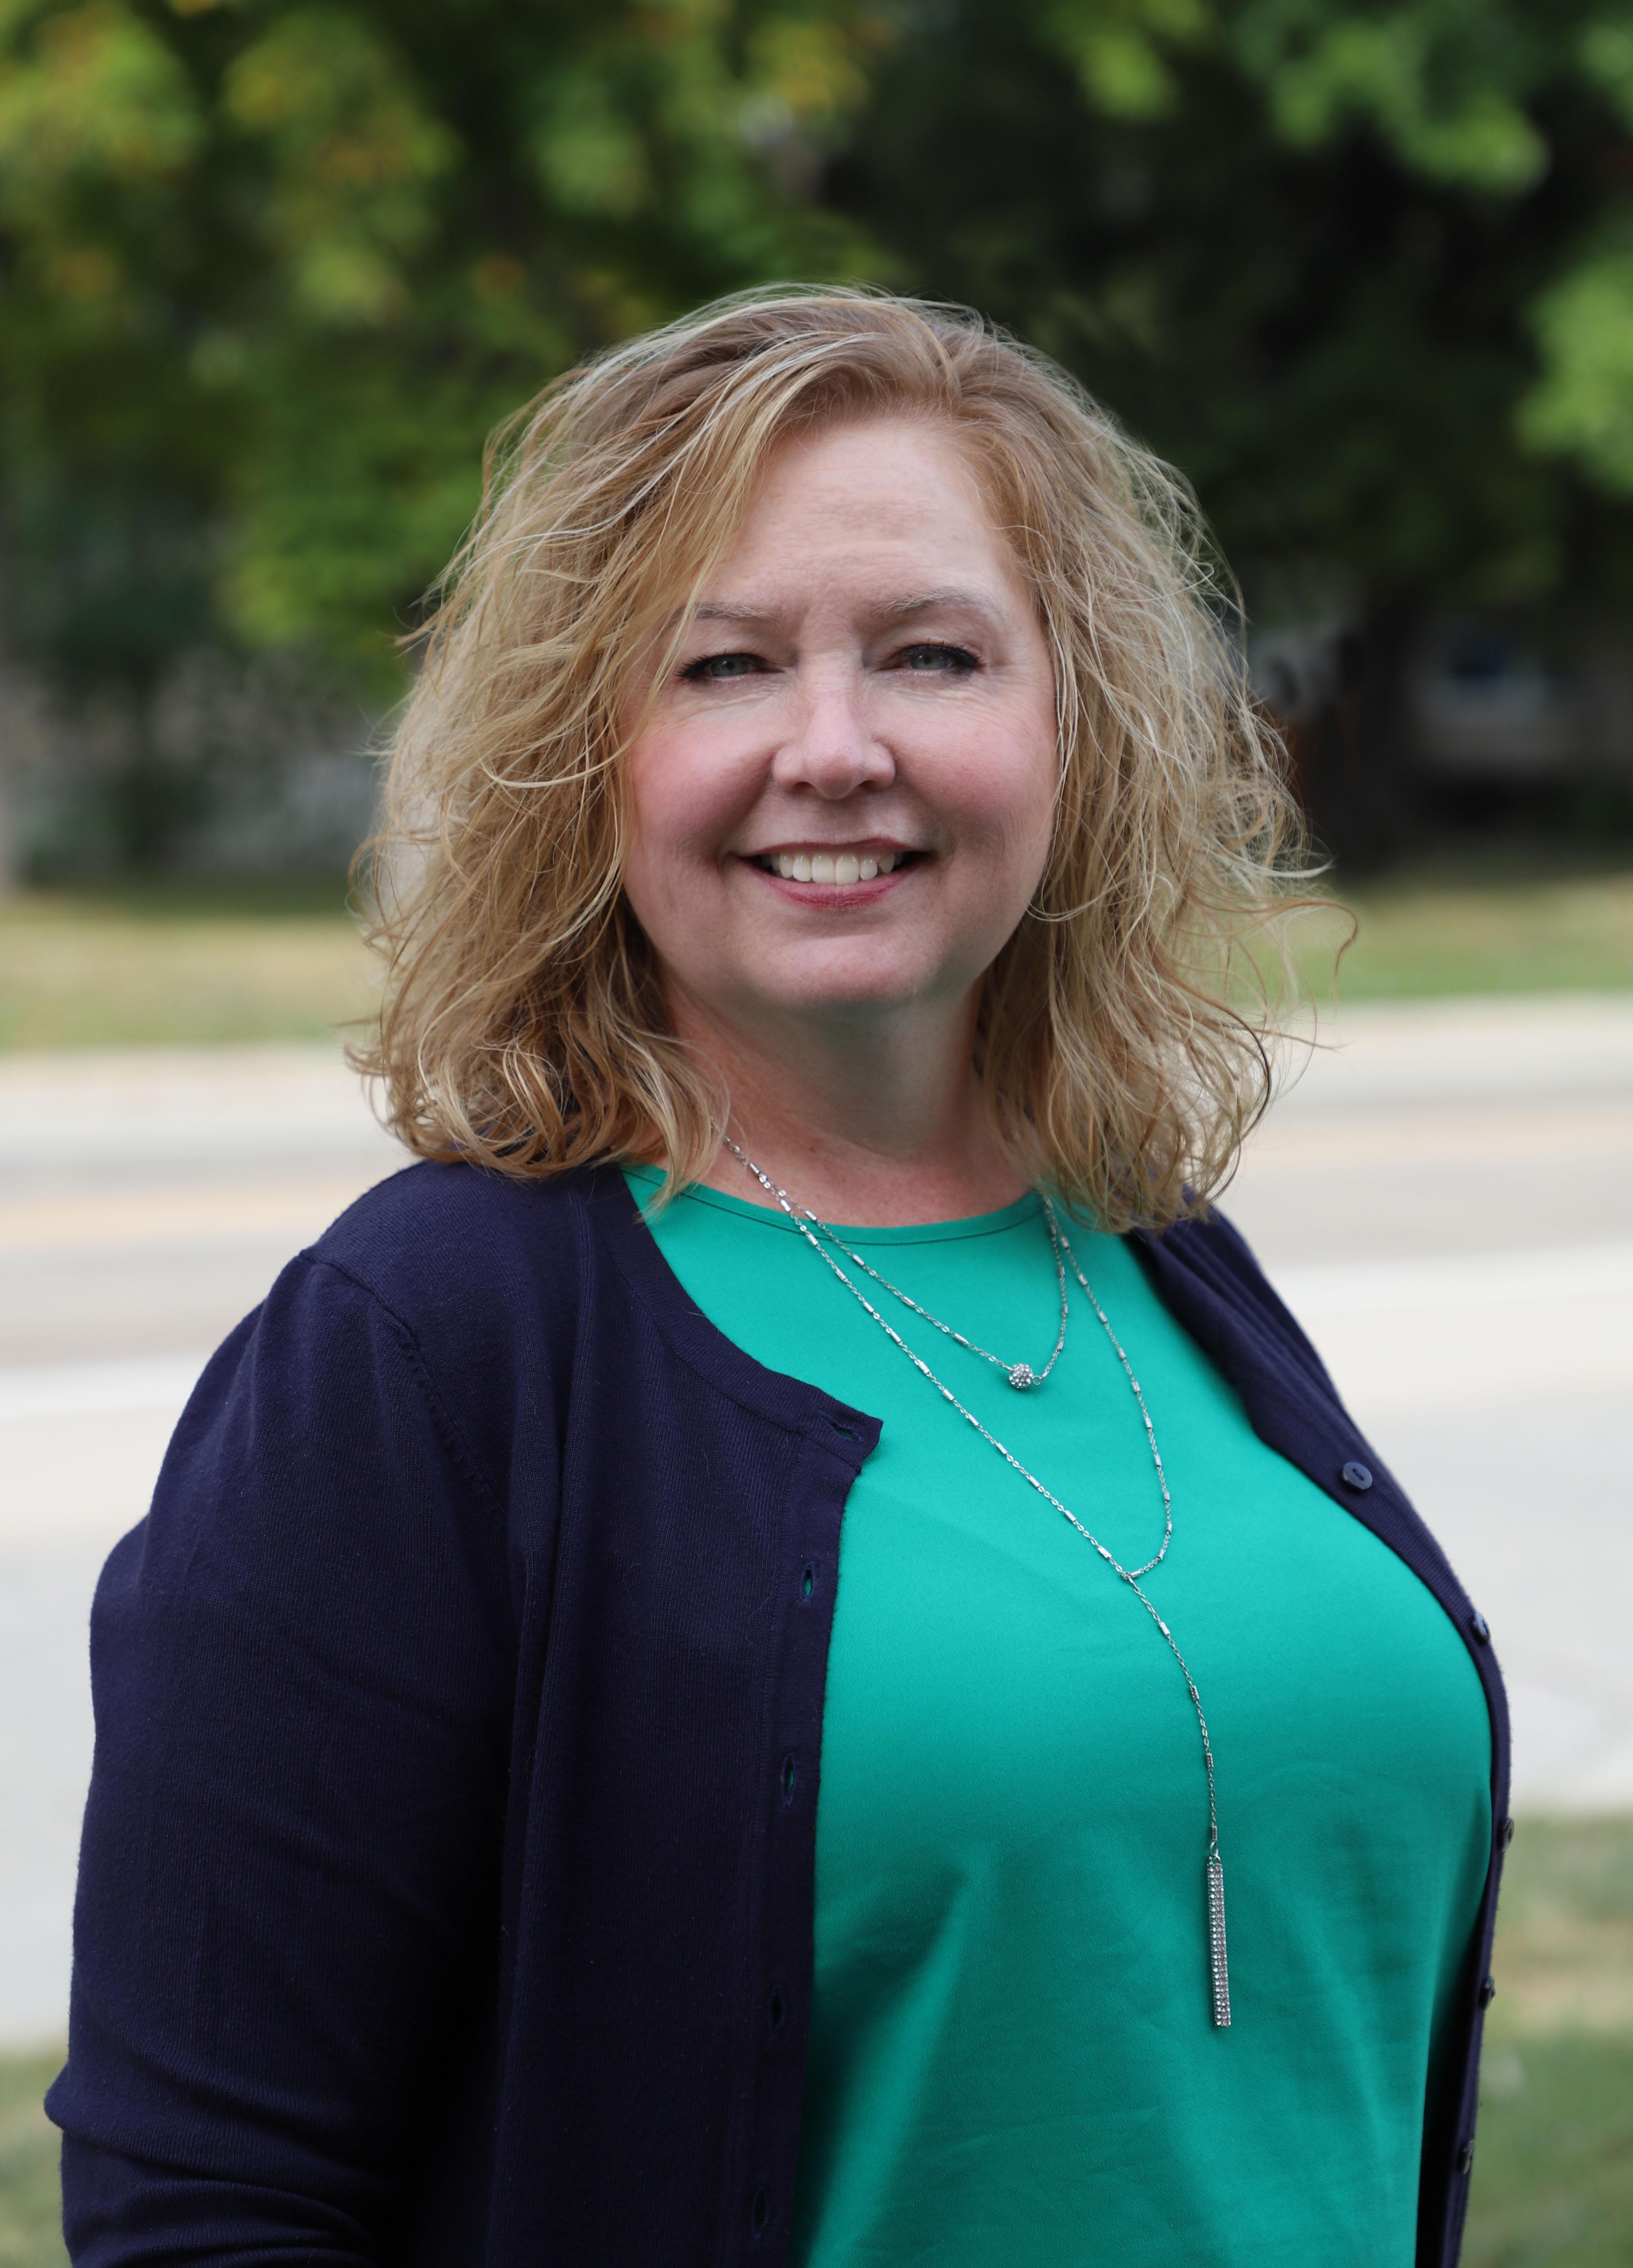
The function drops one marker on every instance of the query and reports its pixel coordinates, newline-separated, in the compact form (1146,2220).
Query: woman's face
(841,799)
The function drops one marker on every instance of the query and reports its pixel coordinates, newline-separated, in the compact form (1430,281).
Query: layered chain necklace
(825,1242)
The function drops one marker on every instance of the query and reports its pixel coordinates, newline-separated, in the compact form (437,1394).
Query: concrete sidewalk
(1444,1196)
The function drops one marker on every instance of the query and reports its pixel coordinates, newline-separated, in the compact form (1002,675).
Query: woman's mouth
(834,869)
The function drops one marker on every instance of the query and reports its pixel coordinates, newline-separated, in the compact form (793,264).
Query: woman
(607,1747)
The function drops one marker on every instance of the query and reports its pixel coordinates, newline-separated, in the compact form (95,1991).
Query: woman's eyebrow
(926,602)
(731,610)
(884,610)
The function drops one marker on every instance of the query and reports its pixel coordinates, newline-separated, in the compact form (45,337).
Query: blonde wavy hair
(522,1023)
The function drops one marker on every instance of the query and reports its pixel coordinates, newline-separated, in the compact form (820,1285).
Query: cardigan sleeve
(302,1664)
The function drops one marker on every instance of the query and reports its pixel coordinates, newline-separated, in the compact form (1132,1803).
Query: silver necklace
(1021,1375)
(815,1232)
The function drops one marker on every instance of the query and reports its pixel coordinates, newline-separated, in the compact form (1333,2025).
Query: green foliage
(1116,47)
(352,159)
(1583,408)
(99,101)
(1321,254)
(1446,83)
(270,272)
(278,269)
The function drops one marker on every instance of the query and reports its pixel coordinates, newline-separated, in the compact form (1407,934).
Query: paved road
(1446,1201)
(1444,1196)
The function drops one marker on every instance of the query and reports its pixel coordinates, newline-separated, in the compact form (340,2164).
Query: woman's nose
(832,745)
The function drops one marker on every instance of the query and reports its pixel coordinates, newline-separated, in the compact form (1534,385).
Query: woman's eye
(924,660)
(715,666)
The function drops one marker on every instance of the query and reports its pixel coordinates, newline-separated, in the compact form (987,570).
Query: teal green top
(1011,2057)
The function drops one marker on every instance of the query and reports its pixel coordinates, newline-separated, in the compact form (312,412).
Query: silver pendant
(1021,1376)
(1215,1942)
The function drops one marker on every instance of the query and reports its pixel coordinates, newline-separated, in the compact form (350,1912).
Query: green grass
(1565,1947)
(188,961)
(30,2207)
(1553,2183)
(1454,928)
(173,962)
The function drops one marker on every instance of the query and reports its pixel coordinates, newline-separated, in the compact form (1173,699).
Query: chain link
(1020,1374)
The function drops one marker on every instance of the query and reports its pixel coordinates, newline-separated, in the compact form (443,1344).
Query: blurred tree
(1364,272)
(268,272)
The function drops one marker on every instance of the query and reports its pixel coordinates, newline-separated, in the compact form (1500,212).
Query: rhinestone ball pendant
(1022,1376)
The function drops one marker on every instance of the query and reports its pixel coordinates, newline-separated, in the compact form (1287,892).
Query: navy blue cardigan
(446,1889)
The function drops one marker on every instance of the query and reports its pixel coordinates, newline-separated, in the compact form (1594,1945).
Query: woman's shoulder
(445,1294)
(458,1254)
(454,1213)
(1207,1272)
(1210,1250)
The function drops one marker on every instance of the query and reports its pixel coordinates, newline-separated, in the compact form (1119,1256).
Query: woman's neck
(875,1121)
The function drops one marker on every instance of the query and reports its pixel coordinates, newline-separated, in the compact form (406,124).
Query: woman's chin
(856,998)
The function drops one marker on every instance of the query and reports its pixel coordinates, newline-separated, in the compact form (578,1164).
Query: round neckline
(1029,1207)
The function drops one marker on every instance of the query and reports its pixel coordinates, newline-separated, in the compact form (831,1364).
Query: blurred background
(270,273)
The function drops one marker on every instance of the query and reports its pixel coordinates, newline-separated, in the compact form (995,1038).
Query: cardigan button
(1356,1476)
(759,2214)
(1480,1628)
(1465,2157)
(1488,1991)
(1505,1833)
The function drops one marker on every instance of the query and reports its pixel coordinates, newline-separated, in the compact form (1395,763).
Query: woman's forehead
(871,459)
(895,500)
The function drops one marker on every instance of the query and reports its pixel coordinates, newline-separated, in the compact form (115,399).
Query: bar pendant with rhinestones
(1216,1943)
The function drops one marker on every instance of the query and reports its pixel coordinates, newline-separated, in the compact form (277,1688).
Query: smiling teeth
(824,866)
